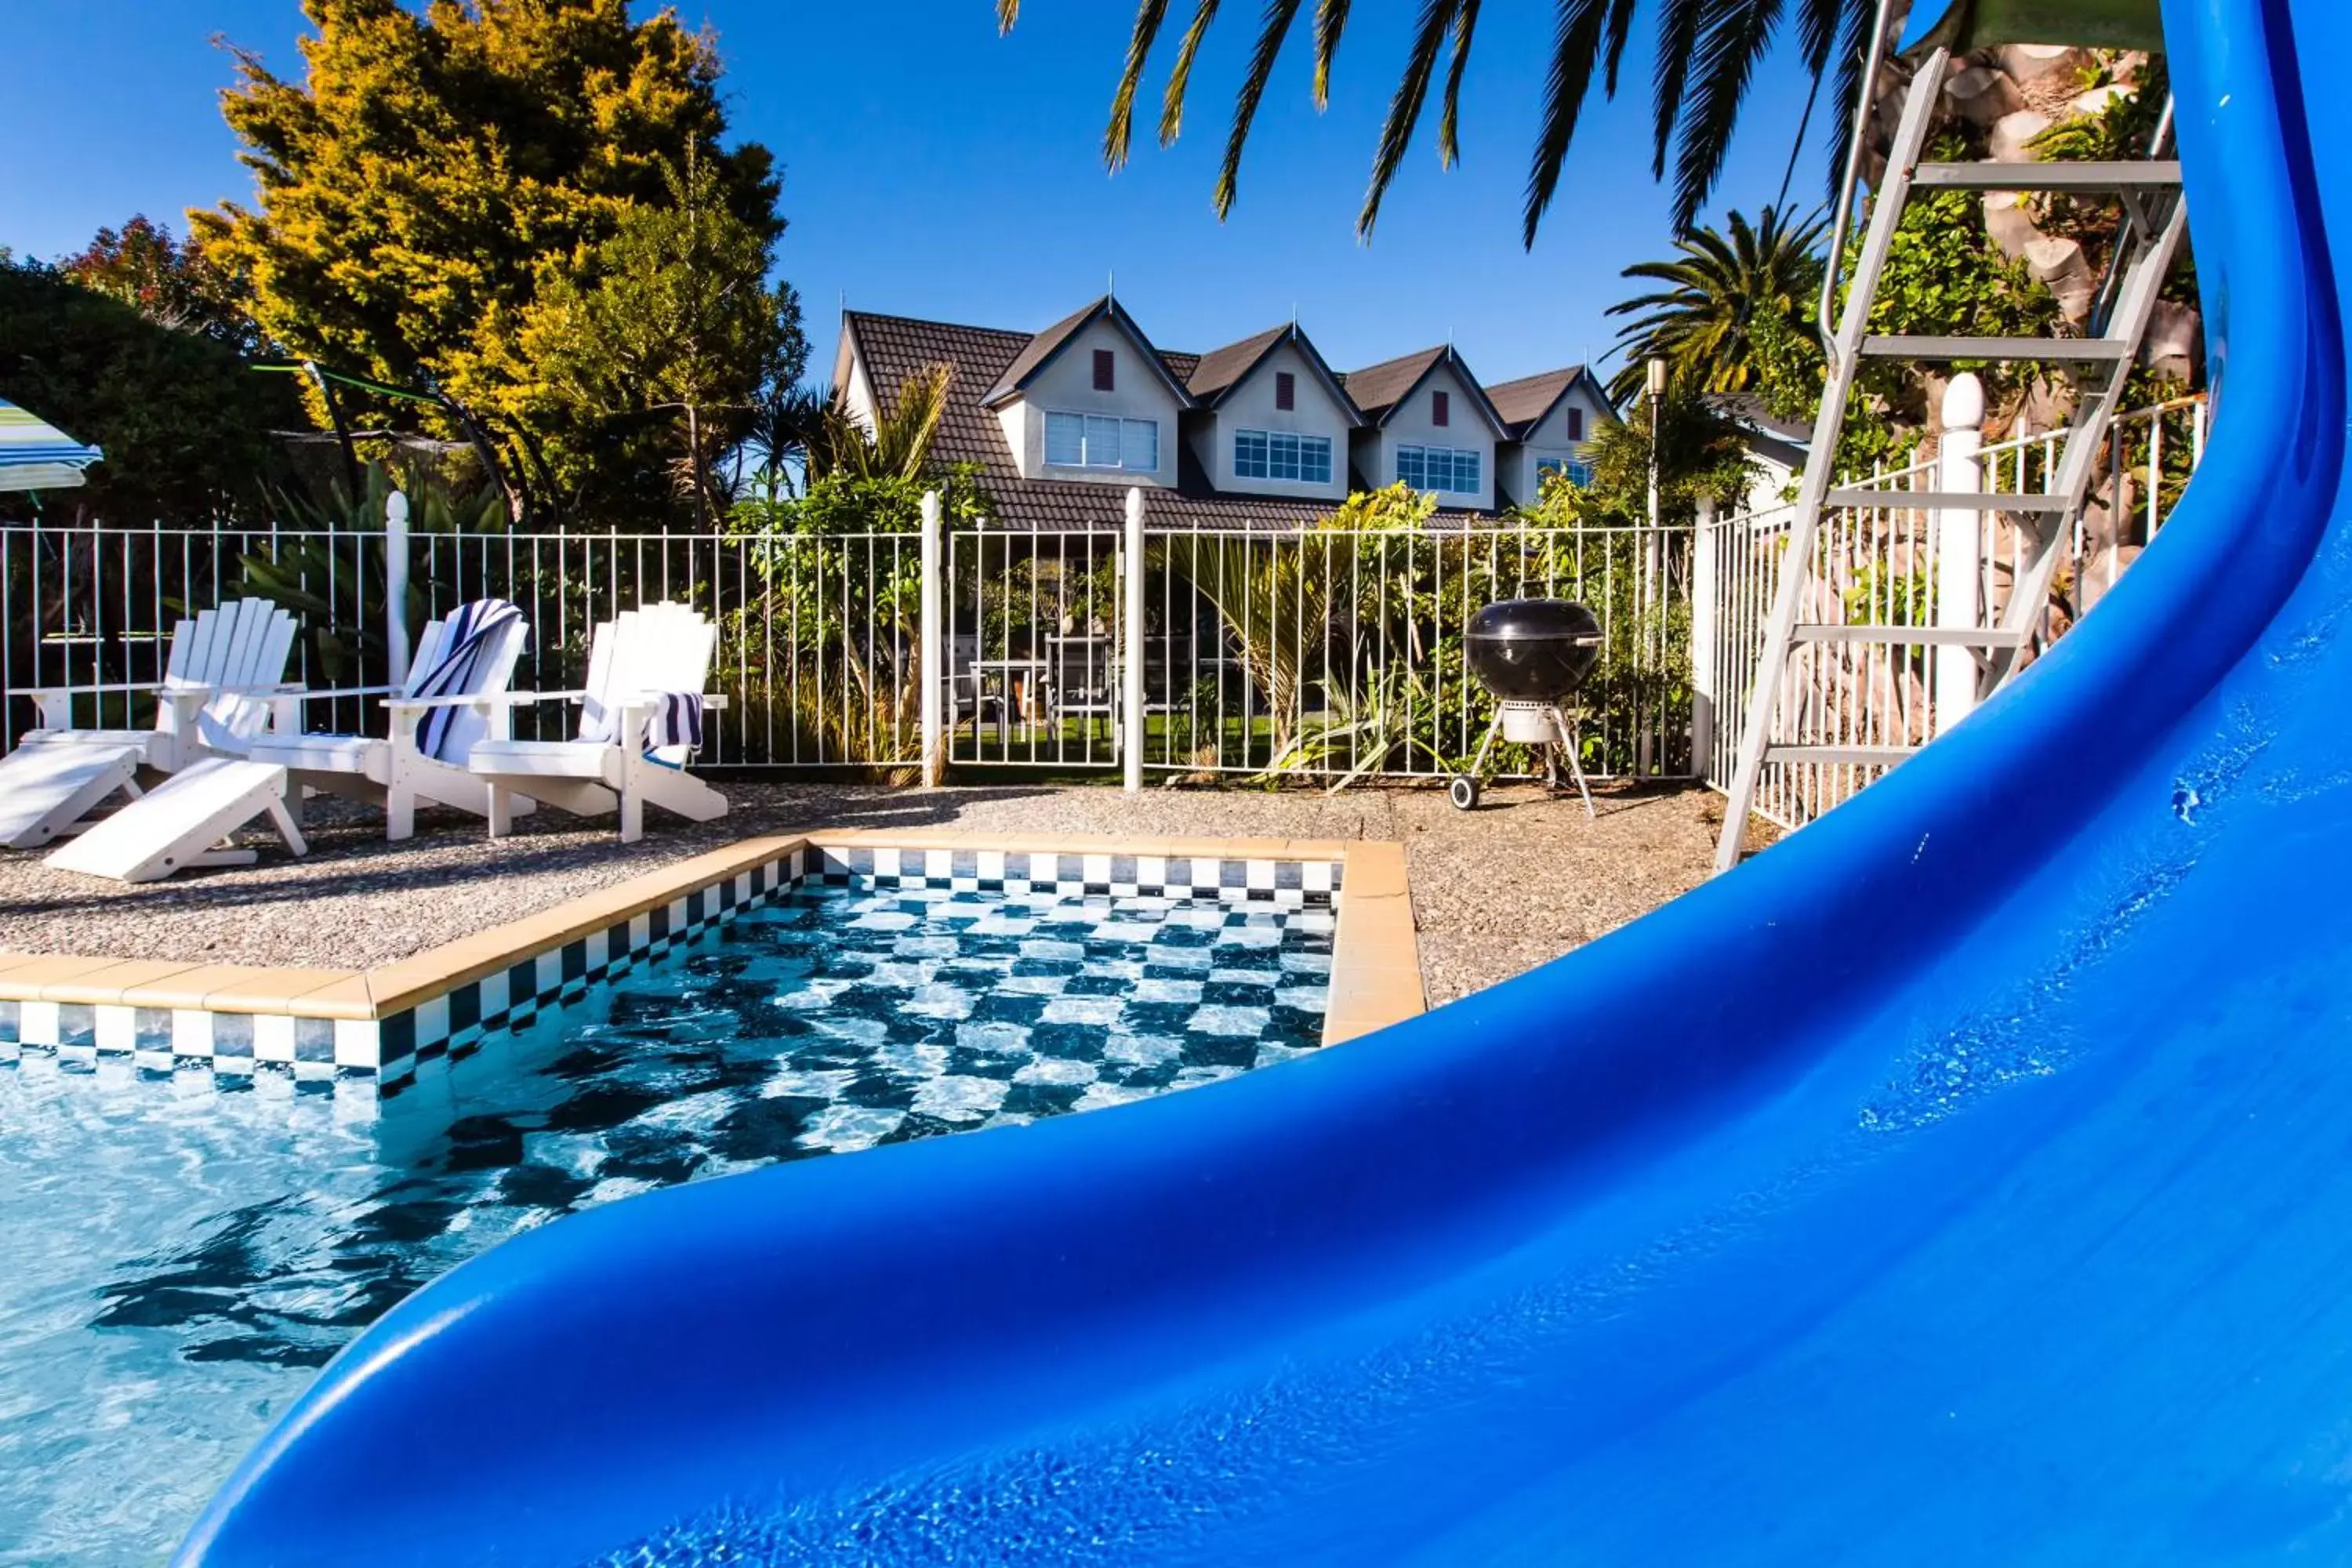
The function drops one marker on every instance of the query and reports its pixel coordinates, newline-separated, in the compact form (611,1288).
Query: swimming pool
(184,1252)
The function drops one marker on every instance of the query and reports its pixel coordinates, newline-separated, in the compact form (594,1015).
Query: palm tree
(787,427)
(1707,53)
(1721,290)
(898,444)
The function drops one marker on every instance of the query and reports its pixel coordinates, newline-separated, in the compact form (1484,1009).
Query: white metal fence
(1329,653)
(1890,565)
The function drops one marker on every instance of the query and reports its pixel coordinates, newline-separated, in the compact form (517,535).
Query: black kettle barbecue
(1534,654)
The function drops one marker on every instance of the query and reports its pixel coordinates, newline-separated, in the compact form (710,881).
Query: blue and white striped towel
(472,632)
(675,721)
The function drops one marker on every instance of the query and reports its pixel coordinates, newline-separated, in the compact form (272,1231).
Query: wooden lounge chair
(437,717)
(645,666)
(223,679)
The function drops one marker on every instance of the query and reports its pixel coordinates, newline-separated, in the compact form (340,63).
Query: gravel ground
(1495,891)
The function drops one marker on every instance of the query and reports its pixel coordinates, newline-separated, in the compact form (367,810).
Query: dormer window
(1449,471)
(1092,441)
(1440,410)
(1285,391)
(1576,424)
(1106,375)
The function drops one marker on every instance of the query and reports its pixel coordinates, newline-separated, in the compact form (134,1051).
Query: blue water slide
(1967,1179)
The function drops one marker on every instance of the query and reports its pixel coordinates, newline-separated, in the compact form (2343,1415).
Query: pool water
(178,1256)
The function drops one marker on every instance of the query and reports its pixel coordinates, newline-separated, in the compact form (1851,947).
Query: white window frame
(1463,468)
(1263,455)
(1577,471)
(1105,442)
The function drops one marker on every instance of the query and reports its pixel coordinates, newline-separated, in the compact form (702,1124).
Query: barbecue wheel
(1464,793)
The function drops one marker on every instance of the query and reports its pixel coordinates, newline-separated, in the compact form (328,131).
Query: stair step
(2156,175)
(1956,501)
(2105,350)
(1910,636)
(1841,756)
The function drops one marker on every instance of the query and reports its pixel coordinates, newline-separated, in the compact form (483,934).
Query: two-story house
(1259,434)
(1427,423)
(1549,418)
(1271,419)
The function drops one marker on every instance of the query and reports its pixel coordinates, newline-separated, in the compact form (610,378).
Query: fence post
(932,658)
(395,586)
(1704,568)
(1131,647)
(1959,546)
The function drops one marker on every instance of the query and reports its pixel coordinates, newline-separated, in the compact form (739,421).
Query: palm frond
(1678,29)
(1621,30)
(1330,22)
(1405,107)
(1738,35)
(1117,138)
(1179,78)
(1575,48)
(1449,141)
(1279,16)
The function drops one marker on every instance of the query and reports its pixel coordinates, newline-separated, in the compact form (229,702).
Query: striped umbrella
(35,455)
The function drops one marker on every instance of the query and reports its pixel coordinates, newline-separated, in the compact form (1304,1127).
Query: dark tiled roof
(896,347)
(1035,350)
(1523,403)
(1220,368)
(1376,387)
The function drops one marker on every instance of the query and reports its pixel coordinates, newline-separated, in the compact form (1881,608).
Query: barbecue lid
(1535,620)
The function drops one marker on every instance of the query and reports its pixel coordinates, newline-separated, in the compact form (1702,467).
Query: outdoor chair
(223,682)
(437,715)
(640,723)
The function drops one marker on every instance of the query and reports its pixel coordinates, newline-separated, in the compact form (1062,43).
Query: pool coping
(379,1022)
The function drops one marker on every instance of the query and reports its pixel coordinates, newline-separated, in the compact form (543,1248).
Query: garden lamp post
(1653,552)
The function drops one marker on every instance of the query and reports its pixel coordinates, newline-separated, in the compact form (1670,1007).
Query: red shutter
(1576,424)
(1438,412)
(1103,376)
(1286,390)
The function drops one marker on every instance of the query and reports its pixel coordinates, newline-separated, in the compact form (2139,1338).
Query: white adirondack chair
(437,717)
(224,683)
(634,660)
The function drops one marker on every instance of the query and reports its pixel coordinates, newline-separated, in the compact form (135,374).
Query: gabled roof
(894,348)
(1046,346)
(1379,390)
(1528,402)
(1219,371)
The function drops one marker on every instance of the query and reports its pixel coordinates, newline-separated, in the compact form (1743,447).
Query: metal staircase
(2149,193)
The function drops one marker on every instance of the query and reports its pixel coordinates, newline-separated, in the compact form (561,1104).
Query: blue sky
(935,169)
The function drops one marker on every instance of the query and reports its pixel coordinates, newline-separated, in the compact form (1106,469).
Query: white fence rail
(1904,564)
(1330,654)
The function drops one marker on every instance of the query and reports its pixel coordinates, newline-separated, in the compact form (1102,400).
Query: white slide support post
(396,585)
(1960,547)
(1705,569)
(1131,640)
(931,656)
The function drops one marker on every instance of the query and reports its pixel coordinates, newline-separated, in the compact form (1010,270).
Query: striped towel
(675,721)
(472,632)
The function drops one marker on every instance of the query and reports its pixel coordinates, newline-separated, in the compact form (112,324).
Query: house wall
(1067,386)
(1250,406)
(1409,426)
(1549,443)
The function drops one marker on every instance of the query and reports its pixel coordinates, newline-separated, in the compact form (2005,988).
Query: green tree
(165,279)
(669,322)
(1732,301)
(1702,453)
(185,423)
(435,168)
